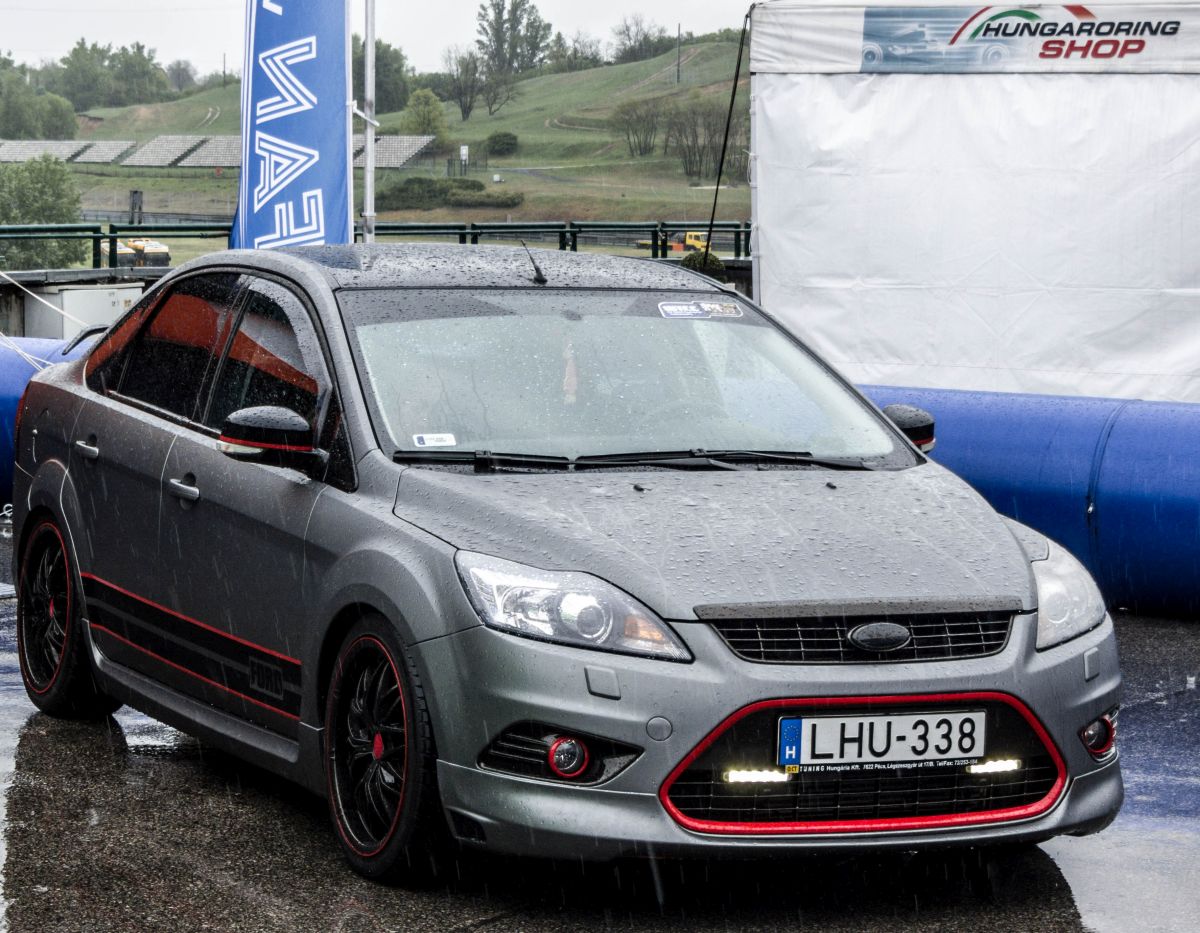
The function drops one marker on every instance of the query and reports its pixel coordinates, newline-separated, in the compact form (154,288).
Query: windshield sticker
(435,440)
(699,310)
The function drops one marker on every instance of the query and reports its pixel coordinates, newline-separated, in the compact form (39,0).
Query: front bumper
(486,681)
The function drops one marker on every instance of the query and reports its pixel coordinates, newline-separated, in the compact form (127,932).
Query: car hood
(740,543)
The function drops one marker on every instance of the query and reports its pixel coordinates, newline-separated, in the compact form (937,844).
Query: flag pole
(368,211)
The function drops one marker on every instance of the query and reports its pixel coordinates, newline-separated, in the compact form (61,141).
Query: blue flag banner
(297,176)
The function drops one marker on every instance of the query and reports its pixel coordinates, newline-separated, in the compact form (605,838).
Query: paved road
(130,825)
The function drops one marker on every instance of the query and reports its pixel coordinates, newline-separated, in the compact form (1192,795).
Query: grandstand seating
(396,151)
(22,150)
(105,151)
(217,152)
(163,151)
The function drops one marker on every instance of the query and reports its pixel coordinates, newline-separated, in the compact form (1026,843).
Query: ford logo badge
(879,636)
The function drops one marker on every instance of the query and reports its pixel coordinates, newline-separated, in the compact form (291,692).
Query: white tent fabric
(959,225)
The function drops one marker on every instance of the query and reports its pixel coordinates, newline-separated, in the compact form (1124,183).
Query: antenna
(539,277)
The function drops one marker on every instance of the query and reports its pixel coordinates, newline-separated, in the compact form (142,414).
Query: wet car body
(216,591)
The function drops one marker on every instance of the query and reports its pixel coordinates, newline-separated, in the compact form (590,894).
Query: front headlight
(569,608)
(1069,602)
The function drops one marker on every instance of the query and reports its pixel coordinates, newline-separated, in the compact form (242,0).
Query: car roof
(442,265)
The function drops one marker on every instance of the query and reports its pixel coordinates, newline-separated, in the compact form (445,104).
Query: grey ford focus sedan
(547,554)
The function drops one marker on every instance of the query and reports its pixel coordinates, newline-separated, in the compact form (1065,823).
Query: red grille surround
(946,821)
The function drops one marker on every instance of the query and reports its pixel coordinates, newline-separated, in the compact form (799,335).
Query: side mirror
(270,434)
(914,423)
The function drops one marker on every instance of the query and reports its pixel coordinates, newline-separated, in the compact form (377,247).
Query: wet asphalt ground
(130,825)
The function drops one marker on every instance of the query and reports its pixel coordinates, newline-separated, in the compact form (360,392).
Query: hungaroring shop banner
(296,180)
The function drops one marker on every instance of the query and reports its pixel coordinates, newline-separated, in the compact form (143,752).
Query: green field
(569,166)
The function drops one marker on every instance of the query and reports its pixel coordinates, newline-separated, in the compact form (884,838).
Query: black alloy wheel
(55,663)
(378,755)
(44,608)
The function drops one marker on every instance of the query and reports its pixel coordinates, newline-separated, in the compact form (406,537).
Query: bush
(419,193)
(502,199)
(502,144)
(705,263)
(41,191)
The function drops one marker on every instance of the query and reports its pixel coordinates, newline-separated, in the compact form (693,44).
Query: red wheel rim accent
(43,629)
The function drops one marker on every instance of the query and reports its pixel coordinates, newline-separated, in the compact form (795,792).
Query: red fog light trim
(587,758)
(946,821)
(1110,737)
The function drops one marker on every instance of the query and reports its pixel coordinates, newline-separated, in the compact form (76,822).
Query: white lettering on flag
(280,163)
(293,96)
(287,233)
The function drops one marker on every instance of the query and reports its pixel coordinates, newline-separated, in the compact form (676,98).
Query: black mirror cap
(251,431)
(914,423)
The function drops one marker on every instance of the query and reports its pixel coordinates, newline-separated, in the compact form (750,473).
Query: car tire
(53,653)
(380,760)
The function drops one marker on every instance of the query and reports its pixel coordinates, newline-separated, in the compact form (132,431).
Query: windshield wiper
(721,459)
(482,460)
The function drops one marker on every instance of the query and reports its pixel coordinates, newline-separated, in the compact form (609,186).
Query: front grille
(923,793)
(823,640)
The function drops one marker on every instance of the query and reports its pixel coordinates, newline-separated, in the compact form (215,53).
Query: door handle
(181,490)
(87,451)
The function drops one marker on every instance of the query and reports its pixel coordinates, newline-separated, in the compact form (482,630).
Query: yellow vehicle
(688,242)
(150,252)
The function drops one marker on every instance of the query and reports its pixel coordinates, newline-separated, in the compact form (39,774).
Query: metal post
(679,56)
(368,211)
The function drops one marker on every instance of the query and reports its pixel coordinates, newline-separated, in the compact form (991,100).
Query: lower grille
(523,748)
(824,640)
(880,799)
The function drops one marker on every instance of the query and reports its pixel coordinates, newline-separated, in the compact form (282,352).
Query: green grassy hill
(214,112)
(569,166)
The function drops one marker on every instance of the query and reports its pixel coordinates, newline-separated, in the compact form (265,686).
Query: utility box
(89,304)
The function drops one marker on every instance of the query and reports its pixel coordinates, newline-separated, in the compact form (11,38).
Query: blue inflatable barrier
(15,373)
(1117,482)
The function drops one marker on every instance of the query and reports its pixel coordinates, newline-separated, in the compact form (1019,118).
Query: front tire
(379,759)
(53,653)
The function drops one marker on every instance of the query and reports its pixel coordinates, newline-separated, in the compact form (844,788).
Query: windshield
(573,373)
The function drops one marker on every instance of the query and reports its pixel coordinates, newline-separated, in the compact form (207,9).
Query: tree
(636,39)
(392,75)
(29,114)
(465,83)
(426,117)
(513,37)
(40,192)
(181,74)
(498,90)
(138,77)
(638,121)
(84,78)
(581,52)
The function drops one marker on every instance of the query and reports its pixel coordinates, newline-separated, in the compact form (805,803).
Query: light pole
(368,113)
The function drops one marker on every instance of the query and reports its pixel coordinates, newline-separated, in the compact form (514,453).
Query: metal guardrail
(568,233)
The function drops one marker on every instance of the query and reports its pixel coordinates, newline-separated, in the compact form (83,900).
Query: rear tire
(379,759)
(53,652)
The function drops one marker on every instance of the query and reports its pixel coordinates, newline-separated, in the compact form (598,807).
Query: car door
(232,531)
(148,379)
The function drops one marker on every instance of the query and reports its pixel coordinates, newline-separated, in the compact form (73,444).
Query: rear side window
(275,359)
(177,352)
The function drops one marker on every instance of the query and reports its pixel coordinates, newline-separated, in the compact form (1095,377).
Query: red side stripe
(944,821)
(184,670)
(258,445)
(191,621)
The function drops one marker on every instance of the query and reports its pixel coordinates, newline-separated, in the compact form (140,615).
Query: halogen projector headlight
(569,608)
(1069,602)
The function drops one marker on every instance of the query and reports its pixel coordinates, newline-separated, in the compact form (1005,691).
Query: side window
(176,353)
(274,359)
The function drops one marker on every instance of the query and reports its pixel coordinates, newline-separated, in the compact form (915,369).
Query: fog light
(1099,736)
(755,777)
(568,758)
(995,767)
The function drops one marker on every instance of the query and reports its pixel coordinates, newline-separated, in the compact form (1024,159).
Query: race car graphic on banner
(1049,37)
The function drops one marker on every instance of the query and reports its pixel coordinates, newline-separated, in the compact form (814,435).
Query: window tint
(275,359)
(173,356)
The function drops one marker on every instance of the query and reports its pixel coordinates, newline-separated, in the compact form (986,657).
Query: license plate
(896,739)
